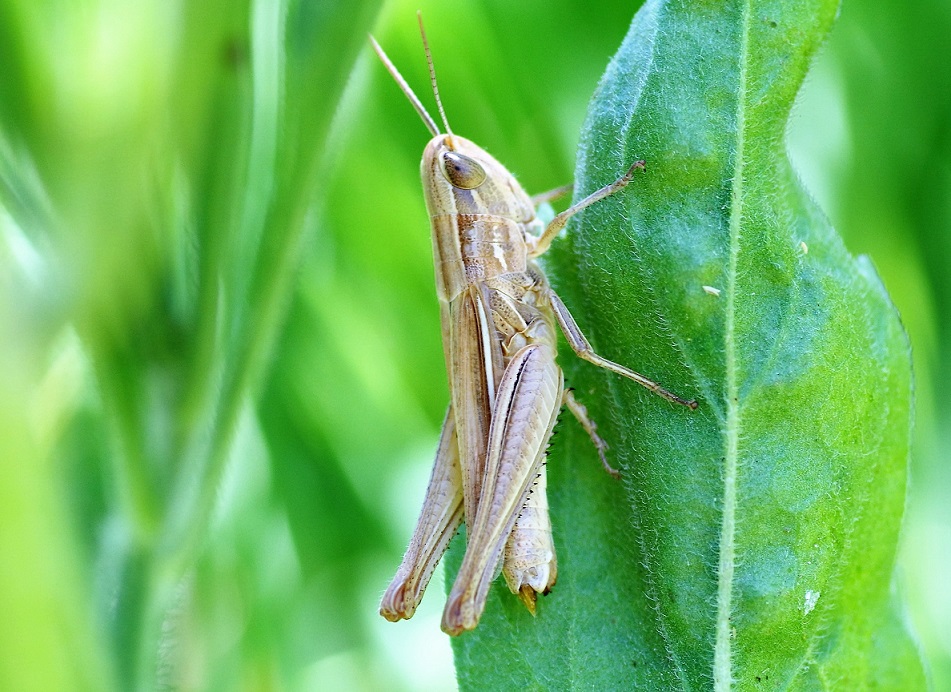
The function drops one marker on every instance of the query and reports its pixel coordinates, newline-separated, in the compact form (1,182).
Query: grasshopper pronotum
(499,317)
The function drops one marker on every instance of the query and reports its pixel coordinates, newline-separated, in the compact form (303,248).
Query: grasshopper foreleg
(554,228)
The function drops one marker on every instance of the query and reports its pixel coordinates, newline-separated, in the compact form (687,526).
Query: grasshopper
(500,320)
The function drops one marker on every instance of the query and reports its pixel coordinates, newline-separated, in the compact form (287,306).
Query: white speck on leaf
(710,290)
(810,602)
(804,247)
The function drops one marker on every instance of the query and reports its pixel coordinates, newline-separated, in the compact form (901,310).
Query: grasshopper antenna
(432,78)
(405,88)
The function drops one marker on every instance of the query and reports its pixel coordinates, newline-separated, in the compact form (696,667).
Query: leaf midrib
(722,657)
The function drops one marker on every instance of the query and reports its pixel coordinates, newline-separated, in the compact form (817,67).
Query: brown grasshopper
(500,321)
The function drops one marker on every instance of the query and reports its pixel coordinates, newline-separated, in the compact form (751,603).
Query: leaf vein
(722,663)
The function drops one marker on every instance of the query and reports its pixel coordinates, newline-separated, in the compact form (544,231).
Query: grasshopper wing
(475,359)
(526,408)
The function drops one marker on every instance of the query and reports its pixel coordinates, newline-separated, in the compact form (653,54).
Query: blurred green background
(221,377)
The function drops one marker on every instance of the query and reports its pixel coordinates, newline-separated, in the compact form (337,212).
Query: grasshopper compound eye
(461,171)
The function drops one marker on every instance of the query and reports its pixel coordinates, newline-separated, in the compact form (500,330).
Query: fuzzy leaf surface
(751,544)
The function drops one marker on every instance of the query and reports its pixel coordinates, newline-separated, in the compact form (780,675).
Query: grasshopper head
(460,177)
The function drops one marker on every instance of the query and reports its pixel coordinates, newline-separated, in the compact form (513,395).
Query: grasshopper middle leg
(579,411)
(582,348)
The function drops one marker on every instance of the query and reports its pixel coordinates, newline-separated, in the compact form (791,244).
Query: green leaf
(752,542)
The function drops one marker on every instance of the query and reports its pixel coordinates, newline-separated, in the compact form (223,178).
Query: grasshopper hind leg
(440,517)
(526,407)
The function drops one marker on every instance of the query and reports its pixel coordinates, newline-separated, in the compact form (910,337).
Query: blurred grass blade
(754,540)
(162,161)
